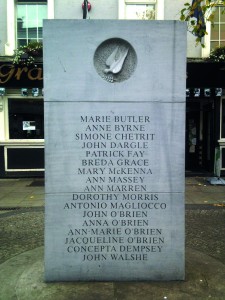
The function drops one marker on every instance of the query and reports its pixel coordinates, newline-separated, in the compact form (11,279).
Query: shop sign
(17,76)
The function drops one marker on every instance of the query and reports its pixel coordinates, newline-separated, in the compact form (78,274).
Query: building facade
(22,93)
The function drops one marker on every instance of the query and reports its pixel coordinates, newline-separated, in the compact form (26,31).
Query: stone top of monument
(133,51)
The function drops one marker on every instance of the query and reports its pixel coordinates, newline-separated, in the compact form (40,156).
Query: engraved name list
(114,202)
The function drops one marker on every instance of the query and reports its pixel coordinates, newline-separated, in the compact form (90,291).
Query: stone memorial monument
(114,134)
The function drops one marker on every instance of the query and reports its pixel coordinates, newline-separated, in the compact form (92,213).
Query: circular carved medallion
(115,60)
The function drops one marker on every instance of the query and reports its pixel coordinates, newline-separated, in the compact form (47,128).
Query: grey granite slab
(114,150)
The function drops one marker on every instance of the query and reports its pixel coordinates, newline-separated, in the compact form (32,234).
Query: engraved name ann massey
(121,179)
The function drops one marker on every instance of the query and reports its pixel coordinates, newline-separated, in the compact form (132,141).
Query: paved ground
(21,250)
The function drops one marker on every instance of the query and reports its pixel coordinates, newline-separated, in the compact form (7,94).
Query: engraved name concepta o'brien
(114,150)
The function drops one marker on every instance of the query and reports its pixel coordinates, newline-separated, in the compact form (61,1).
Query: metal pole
(85,9)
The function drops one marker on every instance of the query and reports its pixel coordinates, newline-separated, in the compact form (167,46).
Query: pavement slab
(204,280)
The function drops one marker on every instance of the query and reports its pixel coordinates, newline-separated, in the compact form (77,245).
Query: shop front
(205,118)
(21,120)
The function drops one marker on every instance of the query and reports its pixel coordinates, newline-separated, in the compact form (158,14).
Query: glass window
(218,29)
(26,119)
(140,11)
(30,21)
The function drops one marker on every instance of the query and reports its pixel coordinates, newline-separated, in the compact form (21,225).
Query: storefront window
(30,21)
(218,28)
(26,119)
(140,11)
(223,119)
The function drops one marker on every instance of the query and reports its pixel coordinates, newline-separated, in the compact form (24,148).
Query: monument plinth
(114,138)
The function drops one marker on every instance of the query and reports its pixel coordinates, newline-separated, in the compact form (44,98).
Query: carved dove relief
(116,60)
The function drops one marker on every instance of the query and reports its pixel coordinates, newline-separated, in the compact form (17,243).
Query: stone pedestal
(114,132)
